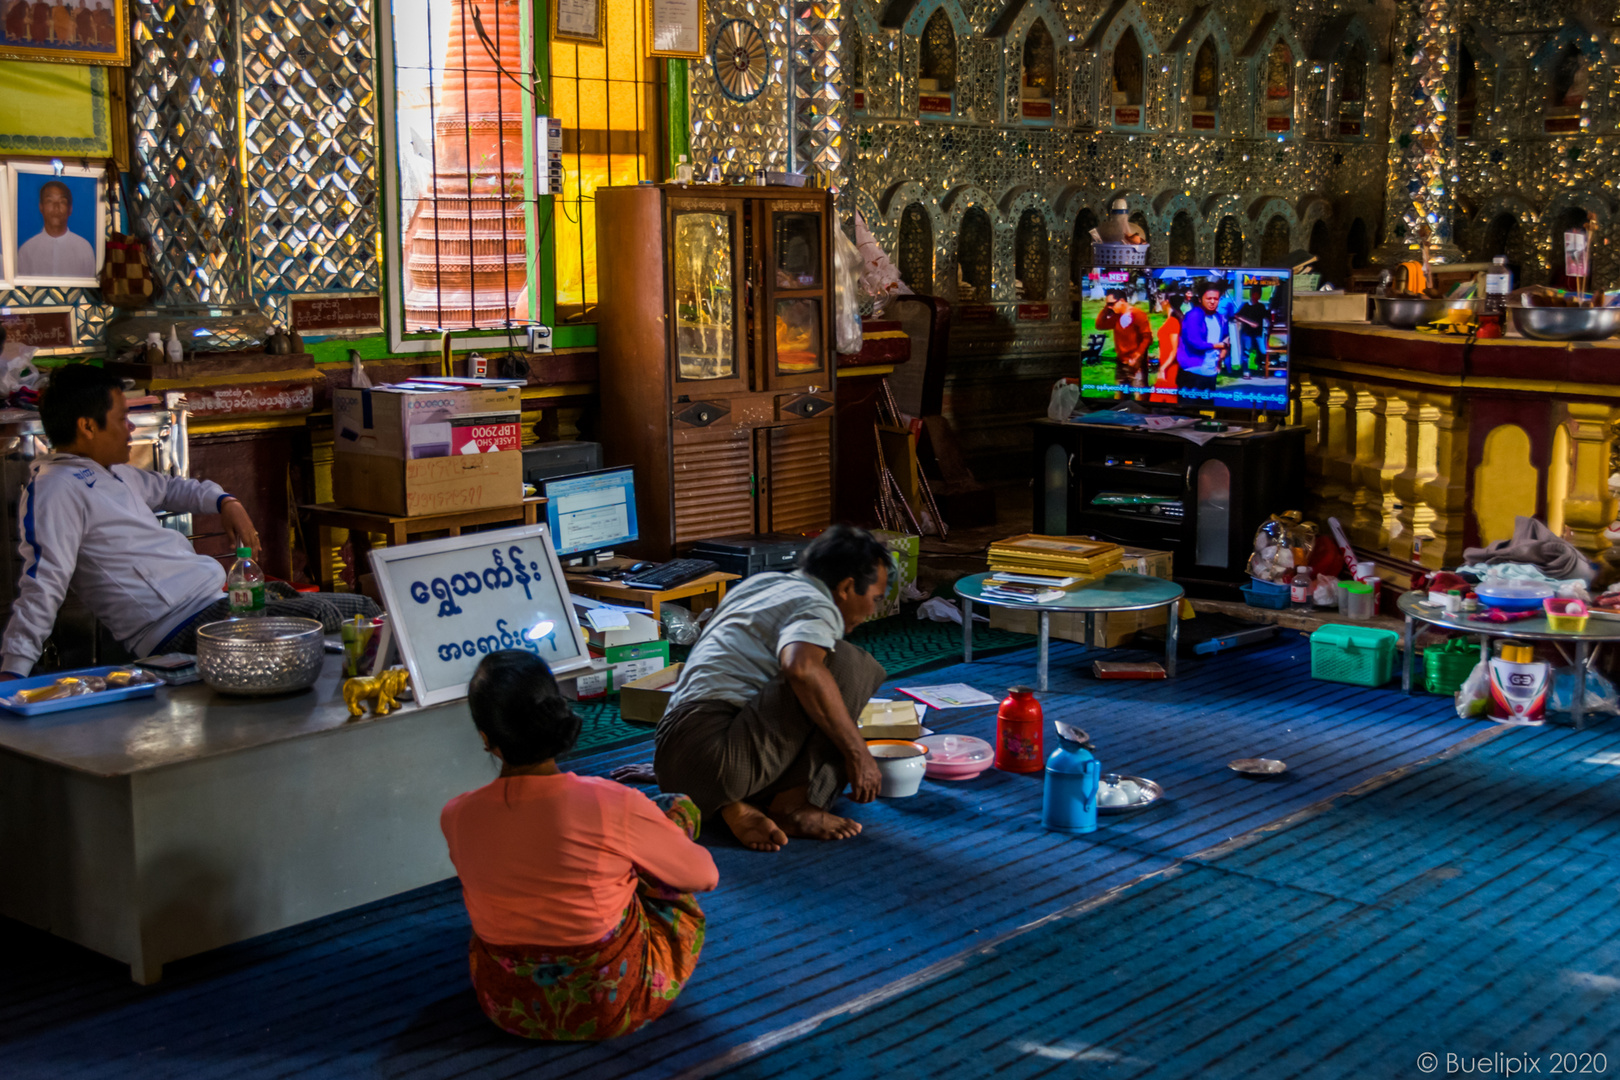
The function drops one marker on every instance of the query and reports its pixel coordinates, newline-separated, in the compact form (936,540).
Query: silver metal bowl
(1566,323)
(1151,794)
(264,655)
(1409,313)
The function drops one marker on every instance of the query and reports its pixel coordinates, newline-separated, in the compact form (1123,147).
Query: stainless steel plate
(1258,766)
(1151,794)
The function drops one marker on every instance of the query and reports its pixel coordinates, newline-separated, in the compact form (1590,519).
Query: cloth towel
(1534,543)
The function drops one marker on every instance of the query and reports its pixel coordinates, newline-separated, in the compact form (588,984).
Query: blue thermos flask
(1073,774)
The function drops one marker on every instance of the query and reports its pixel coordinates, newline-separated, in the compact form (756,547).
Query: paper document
(948,696)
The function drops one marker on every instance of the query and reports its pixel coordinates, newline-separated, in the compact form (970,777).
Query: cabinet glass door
(703,258)
(796,334)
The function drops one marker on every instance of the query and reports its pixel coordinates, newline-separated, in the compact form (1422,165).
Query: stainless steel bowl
(265,655)
(1566,323)
(1408,313)
(1151,794)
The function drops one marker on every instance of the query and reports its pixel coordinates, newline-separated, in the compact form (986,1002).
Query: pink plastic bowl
(957,757)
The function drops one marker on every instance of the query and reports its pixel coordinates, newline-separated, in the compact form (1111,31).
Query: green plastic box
(1358,655)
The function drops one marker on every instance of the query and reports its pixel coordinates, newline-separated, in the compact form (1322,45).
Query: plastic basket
(1268,588)
(1264,599)
(1358,655)
(1446,666)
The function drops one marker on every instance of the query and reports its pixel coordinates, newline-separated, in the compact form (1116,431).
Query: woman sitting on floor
(579,889)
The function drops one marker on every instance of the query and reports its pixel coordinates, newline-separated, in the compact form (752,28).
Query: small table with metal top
(1598,630)
(1119,591)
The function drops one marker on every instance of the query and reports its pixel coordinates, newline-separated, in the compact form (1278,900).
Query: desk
(159,828)
(704,592)
(1598,630)
(1119,591)
(362,523)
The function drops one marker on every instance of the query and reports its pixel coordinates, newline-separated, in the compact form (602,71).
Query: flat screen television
(1186,338)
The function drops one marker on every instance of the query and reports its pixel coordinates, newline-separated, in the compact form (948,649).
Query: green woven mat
(902,643)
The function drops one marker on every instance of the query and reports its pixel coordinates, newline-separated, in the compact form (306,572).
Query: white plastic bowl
(901,764)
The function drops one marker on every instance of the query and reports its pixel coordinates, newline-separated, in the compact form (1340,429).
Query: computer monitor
(591,512)
(1138,340)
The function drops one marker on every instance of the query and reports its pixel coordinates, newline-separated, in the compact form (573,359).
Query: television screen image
(1189,338)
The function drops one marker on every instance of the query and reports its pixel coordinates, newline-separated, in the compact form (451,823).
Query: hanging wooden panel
(714,483)
(799,494)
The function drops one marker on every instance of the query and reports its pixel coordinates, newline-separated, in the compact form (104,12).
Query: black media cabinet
(1219,493)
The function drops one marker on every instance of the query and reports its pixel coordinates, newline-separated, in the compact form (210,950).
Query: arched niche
(1032,257)
(1277,89)
(1275,242)
(1128,77)
(1565,86)
(975,255)
(1204,96)
(1468,91)
(1183,240)
(936,67)
(1358,245)
(1318,245)
(1350,90)
(916,248)
(1229,242)
(1038,81)
(1140,220)
(1080,251)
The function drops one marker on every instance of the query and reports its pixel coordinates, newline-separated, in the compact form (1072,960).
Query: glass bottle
(683,171)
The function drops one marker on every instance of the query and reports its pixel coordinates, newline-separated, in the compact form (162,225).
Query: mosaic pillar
(1422,133)
(184,139)
(818,105)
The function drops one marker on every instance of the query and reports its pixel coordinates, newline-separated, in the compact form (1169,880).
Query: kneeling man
(761,726)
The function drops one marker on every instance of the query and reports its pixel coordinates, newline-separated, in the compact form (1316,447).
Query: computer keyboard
(673,573)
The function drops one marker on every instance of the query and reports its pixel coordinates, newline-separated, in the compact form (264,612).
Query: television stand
(1202,503)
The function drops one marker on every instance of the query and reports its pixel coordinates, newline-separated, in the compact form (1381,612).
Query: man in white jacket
(89,523)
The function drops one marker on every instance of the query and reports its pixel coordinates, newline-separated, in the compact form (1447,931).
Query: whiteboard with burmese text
(454,601)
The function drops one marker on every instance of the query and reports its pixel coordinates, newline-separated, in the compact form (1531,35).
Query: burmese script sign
(456,600)
(44,328)
(315,312)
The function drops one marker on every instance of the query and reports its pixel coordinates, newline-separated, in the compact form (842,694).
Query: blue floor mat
(382,991)
(1464,911)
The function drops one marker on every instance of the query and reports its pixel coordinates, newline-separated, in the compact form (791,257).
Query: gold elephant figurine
(385,688)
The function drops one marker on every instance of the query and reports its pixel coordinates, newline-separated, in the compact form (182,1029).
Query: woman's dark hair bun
(515,702)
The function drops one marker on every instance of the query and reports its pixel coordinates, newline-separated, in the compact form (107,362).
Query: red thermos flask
(1020,726)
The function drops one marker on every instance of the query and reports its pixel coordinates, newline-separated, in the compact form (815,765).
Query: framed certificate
(675,28)
(579,21)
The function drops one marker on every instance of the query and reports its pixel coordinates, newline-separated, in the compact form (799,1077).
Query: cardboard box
(1114,629)
(889,720)
(632,651)
(642,629)
(441,485)
(905,549)
(586,684)
(408,424)
(642,701)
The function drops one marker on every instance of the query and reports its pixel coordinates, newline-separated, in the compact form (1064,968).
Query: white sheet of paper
(948,696)
(607,619)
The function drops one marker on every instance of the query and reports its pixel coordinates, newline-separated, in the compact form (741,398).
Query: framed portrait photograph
(67,31)
(55,225)
(674,28)
(579,21)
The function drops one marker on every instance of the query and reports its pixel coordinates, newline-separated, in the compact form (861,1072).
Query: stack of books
(1041,569)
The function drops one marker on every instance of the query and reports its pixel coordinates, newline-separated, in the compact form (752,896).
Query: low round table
(1119,591)
(1598,630)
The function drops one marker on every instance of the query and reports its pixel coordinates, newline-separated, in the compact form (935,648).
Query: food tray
(1155,793)
(81,701)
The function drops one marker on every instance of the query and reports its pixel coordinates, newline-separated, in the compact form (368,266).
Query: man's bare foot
(811,821)
(641,773)
(750,825)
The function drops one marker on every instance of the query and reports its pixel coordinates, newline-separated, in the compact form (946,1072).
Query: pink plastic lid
(957,749)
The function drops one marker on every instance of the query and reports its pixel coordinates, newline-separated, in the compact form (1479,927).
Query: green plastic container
(1358,655)
(1446,666)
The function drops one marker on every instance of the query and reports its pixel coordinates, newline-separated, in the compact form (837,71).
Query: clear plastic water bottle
(245,585)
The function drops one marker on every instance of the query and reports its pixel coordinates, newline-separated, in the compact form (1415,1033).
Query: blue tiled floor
(382,991)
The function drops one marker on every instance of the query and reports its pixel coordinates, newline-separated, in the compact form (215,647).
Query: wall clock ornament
(741,59)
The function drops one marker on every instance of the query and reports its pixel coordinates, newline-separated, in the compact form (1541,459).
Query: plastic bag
(1065,396)
(1474,695)
(847,265)
(680,626)
(1601,696)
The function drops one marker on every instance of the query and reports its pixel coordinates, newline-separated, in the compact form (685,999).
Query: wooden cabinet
(716,340)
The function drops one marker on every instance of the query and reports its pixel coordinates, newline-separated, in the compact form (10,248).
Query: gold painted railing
(1414,437)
